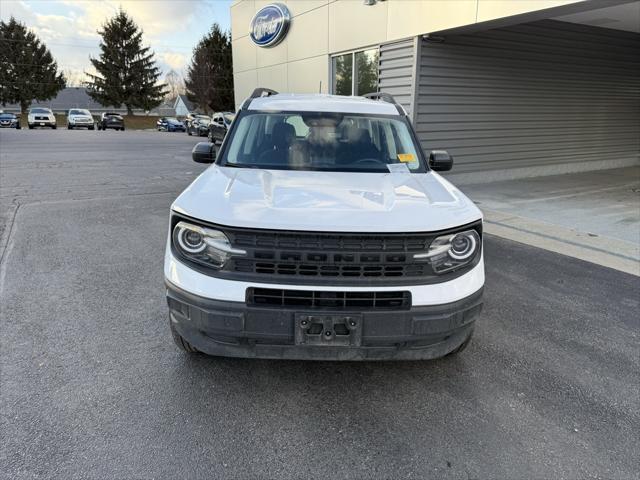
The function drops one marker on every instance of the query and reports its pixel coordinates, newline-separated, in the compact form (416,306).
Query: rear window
(322,141)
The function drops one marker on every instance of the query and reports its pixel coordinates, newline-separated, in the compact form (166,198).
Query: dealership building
(509,87)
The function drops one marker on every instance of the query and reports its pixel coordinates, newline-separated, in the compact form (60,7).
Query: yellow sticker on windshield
(406,157)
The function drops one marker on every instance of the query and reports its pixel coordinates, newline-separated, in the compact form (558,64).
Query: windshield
(79,112)
(40,110)
(4,116)
(322,141)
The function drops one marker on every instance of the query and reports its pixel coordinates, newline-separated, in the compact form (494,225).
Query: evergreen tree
(209,81)
(28,71)
(127,73)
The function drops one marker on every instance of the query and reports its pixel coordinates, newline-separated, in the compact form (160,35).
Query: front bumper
(234,329)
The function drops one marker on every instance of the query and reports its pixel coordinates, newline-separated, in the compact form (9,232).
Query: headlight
(452,251)
(203,245)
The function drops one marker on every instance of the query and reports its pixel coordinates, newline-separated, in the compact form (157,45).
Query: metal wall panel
(396,71)
(543,93)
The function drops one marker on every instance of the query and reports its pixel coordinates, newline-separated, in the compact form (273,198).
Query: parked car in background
(111,120)
(199,125)
(41,117)
(9,120)
(220,123)
(170,124)
(80,118)
(190,117)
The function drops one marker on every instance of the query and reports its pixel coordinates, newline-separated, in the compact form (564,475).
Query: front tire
(180,342)
(69,127)
(30,127)
(53,127)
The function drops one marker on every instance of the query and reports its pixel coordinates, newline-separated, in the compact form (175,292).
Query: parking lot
(93,387)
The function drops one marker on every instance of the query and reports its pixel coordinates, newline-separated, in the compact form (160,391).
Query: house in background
(77,97)
(68,98)
(183,106)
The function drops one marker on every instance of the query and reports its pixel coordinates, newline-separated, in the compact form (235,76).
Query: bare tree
(175,85)
(74,78)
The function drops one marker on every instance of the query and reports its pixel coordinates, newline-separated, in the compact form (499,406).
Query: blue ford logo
(269,25)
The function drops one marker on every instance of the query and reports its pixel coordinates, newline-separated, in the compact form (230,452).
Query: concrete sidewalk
(594,216)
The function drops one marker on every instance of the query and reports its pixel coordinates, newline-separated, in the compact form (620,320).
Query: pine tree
(209,81)
(127,73)
(28,71)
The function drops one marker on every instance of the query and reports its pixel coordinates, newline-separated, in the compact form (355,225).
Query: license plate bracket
(344,330)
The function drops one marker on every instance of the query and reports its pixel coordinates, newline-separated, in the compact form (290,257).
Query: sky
(69,27)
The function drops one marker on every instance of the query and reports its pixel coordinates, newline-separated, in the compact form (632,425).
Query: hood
(326,201)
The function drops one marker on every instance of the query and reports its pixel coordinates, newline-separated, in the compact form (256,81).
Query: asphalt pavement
(91,385)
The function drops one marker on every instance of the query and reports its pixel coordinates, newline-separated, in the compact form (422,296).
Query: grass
(133,122)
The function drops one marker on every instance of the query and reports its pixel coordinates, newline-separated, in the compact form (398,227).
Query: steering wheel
(369,160)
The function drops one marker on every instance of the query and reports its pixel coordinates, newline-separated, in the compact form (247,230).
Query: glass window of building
(366,71)
(343,74)
(355,73)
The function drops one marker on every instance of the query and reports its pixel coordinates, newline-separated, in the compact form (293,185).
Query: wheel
(189,131)
(180,342)
(91,127)
(122,129)
(462,346)
(18,127)
(54,127)
(30,127)
(69,127)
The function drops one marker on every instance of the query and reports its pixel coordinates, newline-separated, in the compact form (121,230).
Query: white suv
(322,232)
(41,117)
(80,117)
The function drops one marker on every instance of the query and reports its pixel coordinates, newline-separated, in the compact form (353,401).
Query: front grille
(343,256)
(275,297)
(331,258)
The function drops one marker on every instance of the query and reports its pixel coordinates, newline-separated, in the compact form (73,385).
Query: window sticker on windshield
(406,157)
(398,168)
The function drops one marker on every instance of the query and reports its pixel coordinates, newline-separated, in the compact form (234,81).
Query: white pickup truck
(322,231)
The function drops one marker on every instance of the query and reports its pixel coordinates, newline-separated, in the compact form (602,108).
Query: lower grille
(275,297)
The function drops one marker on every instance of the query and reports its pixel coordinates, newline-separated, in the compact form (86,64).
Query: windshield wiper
(240,165)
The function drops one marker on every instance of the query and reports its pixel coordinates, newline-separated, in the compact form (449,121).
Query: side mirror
(440,161)
(204,152)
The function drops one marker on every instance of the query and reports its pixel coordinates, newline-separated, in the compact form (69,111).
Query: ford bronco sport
(322,231)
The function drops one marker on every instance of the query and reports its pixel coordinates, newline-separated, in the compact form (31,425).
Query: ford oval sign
(269,26)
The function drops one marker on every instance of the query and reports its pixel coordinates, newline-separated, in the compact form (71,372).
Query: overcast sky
(69,27)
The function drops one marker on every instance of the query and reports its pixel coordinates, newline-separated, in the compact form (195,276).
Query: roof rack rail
(257,93)
(386,97)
